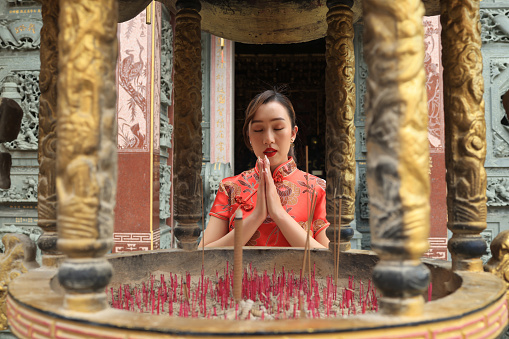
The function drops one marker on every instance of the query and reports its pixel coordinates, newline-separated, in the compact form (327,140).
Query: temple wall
(495,51)
(20,27)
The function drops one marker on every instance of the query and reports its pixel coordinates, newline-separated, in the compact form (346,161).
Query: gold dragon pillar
(47,196)
(465,132)
(340,128)
(398,156)
(86,149)
(187,132)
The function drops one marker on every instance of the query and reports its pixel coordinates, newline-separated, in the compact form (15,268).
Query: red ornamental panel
(436,138)
(138,118)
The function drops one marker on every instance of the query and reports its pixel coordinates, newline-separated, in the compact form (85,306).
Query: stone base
(7,335)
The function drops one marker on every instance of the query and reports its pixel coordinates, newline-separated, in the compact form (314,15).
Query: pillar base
(84,281)
(470,265)
(86,302)
(52,260)
(345,246)
(187,234)
(409,307)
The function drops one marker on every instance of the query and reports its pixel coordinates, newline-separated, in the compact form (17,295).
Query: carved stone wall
(166,130)
(362,197)
(20,25)
(495,51)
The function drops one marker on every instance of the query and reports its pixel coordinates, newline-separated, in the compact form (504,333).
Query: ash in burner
(281,295)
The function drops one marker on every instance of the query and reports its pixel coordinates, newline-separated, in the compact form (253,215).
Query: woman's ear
(294,133)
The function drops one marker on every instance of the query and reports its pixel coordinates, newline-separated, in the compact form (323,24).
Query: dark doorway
(300,67)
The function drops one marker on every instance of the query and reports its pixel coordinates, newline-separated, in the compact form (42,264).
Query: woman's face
(271,133)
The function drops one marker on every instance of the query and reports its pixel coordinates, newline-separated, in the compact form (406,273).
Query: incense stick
(307,252)
(310,225)
(237,257)
(340,200)
(203,230)
(333,244)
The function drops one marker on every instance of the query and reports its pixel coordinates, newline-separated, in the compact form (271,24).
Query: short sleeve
(221,208)
(320,222)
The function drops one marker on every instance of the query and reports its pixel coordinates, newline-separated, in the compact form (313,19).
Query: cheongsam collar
(283,170)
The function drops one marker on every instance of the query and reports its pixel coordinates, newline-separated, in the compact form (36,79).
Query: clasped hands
(267,201)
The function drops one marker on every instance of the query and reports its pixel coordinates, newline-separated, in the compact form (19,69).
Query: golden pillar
(47,196)
(340,111)
(465,132)
(398,156)
(86,149)
(188,134)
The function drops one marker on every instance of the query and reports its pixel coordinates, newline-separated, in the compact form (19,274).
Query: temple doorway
(299,67)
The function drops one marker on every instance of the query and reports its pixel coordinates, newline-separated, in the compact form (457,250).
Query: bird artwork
(129,69)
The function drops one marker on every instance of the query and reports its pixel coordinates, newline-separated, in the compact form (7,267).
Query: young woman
(275,197)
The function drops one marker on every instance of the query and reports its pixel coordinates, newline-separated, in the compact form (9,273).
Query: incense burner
(463,303)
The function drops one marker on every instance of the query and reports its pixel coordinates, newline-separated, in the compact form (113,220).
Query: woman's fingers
(274,206)
(261,204)
(261,185)
(269,180)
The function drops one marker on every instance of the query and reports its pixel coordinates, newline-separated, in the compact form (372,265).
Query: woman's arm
(216,229)
(217,235)
(322,239)
(295,234)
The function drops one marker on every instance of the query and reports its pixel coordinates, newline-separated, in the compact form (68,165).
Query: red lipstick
(270,152)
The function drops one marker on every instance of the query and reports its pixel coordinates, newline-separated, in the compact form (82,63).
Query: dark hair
(264,98)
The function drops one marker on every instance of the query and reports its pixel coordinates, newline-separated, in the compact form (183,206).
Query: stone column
(340,111)
(86,149)
(188,134)
(465,132)
(397,151)
(47,196)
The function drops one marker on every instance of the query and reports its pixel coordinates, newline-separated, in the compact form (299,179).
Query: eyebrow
(275,119)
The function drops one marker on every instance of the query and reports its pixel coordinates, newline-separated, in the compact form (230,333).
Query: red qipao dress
(294,189)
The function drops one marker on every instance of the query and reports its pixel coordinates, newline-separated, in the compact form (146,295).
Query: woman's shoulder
(241,178)
(310,179)
(240,184)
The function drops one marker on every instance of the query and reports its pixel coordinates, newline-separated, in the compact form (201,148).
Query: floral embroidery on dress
(303,224)
(318,224)
(231,189)
(288,193)
(320,182)
(252,241)
(288,168)
(273,237)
